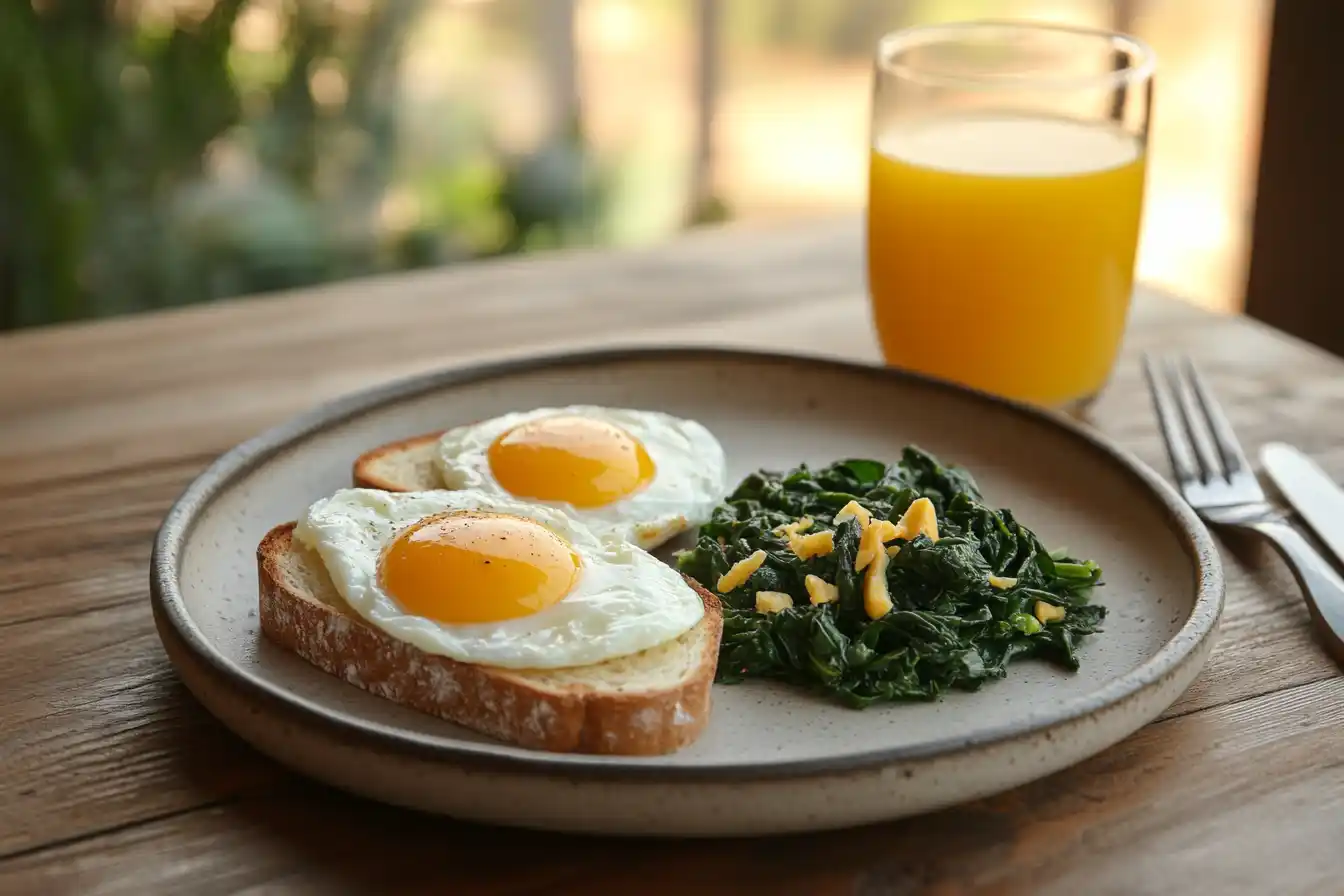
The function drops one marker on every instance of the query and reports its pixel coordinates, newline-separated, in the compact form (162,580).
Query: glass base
(1079,409)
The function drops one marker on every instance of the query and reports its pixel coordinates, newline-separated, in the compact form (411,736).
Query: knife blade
(1310,490)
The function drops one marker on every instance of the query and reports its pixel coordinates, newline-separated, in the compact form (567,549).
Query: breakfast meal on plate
(869,582)
(507,617)
(642,475)
(495,575)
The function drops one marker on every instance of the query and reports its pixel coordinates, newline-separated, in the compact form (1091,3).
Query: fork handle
(1323,587)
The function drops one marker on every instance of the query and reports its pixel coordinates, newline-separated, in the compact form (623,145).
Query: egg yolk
(473,566)
(575,460)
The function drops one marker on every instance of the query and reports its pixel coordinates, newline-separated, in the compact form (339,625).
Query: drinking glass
(1005,190)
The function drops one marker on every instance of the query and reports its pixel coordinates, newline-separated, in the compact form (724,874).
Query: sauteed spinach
(964,602)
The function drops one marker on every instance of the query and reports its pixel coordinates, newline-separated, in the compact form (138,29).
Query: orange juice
(1001,250)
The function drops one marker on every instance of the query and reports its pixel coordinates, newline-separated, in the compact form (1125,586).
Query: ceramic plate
(772,759)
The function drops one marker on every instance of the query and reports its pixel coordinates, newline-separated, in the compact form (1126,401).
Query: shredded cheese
(740,571)
(875,534)
(820,591)
(853,511)
(795,527)
(918,519)
(876,597)
(818,544)
(1045,612)
(772,601)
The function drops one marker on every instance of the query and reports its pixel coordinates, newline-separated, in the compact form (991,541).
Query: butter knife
(1316,497)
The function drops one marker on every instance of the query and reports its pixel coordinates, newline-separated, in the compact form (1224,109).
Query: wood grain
(108,764)
(127,695)
(98,732)
(1201,799)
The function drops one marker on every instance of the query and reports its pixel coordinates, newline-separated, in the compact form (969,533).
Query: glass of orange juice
(1005,190)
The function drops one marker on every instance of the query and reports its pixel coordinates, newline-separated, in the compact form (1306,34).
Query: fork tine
(1224,437)
(1197,425)
(1179,449)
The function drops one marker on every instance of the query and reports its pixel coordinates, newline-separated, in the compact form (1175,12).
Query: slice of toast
(404,466)
(652,702)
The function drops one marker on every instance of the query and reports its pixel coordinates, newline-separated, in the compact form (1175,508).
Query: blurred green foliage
(149,159)
(151,154)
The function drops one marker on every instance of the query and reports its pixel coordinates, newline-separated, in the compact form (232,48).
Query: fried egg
(494,580)
(641,475)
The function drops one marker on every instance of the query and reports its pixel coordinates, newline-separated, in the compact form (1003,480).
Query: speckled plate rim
(174,621)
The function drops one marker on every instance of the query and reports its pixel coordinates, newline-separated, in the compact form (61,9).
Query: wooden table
(113,780)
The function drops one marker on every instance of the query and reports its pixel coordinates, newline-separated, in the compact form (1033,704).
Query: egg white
(690,471)
(624,601)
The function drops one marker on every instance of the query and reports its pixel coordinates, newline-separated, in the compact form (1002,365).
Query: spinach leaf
(949,627)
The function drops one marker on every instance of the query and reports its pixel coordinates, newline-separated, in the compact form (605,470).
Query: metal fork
(1217,480)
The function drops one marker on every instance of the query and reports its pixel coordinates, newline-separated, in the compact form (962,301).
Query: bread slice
(652,702)
(404,466)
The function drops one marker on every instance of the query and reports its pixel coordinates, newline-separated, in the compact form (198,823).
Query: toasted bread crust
(364,472)
(494,701)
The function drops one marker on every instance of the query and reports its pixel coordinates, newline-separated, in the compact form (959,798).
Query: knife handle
(1322,586)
